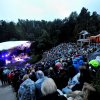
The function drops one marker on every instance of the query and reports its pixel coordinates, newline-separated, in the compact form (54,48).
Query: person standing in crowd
(85,76)
(40,79)
(89,92)
(32,75)
(1,76)
(49,91)
(26,90)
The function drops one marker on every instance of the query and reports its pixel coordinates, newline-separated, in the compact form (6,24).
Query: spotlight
(2,56)
(6,55)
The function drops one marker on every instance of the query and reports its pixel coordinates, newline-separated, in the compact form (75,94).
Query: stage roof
(11,44)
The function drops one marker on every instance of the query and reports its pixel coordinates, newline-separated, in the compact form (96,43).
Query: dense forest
(47,34)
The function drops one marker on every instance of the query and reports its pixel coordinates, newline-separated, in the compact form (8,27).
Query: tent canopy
(95,38)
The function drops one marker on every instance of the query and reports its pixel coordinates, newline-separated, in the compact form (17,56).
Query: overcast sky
(12,10)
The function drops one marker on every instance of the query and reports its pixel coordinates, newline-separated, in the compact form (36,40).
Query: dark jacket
(53,96)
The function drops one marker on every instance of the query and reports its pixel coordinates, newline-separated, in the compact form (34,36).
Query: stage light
(2,56)
(7,62)
(6,55)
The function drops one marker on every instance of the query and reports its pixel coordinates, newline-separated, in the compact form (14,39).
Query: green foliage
(35,58)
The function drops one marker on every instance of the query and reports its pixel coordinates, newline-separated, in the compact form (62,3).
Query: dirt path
(6,92)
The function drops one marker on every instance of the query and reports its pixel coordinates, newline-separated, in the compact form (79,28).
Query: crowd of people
(64,73)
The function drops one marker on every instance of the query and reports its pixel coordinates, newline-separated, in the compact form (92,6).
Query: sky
(12,10)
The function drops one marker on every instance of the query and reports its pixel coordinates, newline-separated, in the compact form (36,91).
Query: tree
(68,27)
(94,24)
(82,22)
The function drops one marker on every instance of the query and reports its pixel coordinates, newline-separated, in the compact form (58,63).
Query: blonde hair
(48,86)
(26,76)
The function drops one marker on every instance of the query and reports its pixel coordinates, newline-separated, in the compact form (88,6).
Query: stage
(12,52)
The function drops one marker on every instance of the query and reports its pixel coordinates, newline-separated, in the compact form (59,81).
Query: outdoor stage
(14,52)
